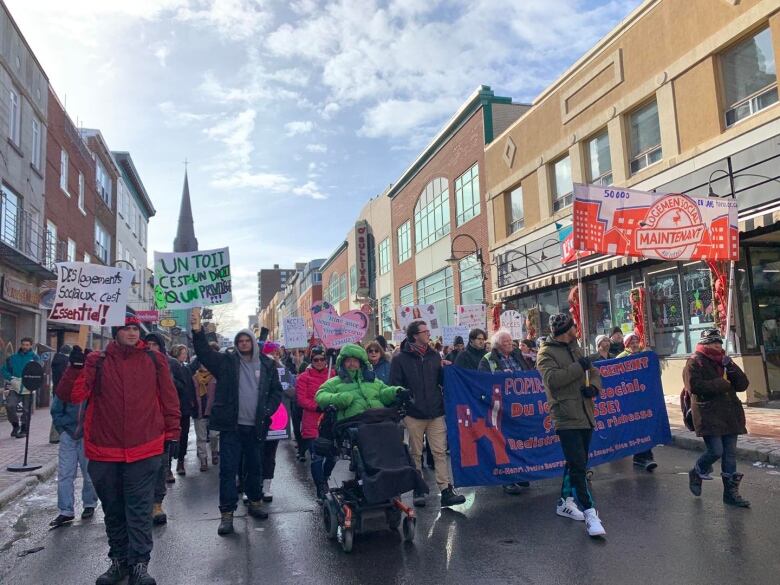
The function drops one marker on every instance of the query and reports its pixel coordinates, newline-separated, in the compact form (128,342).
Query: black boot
(731,491)
(15,430)
(140,576)
(256,510)
(694,482)
(450,498)
(226,524)
(116,572)
(22,433)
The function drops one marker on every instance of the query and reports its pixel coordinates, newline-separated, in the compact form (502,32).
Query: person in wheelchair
(355,389)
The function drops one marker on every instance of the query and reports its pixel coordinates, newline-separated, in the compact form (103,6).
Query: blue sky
(292,113)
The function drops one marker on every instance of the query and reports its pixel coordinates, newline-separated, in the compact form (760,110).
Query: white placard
(192,279)
(449,333)
(513,322)
(471,316)
(91,294)
(295,333)
(428,313)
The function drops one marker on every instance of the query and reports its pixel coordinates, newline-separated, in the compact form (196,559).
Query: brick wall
(338,266)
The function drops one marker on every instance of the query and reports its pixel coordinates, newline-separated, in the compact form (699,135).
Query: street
(657,533)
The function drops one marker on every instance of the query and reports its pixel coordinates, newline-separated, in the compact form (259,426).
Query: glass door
(765,266)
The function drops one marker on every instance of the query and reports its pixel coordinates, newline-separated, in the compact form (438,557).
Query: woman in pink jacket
(306,387)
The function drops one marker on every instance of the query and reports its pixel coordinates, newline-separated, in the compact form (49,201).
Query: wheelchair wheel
(330,518)
(347,536)
(409,528)
(393,518)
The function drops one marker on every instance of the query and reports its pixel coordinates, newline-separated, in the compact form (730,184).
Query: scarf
(203,379)
(420,348)
(714,355)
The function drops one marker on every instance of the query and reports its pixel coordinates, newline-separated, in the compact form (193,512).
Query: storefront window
(471,288)
(550,303)
(7,335)
(406,295)
(599,308)
(765,266)
(744,300)
(666,310)
(621,302)
(697,299)
(437,289)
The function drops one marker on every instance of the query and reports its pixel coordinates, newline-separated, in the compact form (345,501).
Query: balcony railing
(23,240)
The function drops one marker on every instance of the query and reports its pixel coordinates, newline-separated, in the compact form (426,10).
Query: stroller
(373,443)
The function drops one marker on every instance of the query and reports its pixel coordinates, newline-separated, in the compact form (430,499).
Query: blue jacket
(66,417)
(14,365)
(382,370)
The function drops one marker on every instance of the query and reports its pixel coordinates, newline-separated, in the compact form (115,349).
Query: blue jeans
(232,447)
(321,467)
(71,457)
(723,447)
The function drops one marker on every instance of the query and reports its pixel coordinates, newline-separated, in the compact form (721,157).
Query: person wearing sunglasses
(379,361)
(469,358)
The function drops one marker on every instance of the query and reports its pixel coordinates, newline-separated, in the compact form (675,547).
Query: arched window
(432,214)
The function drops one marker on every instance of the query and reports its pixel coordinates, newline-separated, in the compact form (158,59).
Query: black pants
(126,491)
(233,447)
(297,417)
(575,444)
(269,459)
(159,483)
(184,437)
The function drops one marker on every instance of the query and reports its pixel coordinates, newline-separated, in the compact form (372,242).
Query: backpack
(685,406)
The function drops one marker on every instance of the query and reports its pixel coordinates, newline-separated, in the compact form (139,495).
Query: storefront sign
(673,226)
(91,294)
(20,293)
(148,316)
(361,252)
(192,279)
(471,316)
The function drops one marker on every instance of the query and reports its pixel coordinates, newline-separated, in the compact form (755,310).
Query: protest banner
(471,316)
(91,294)
(500,430)
(449,333)
(512,321)
(294,333)
(428,313)
(672,226)
(398,336)
(148,316)
(192,279)
(337,330)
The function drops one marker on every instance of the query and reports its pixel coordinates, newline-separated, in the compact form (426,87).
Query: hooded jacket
(306,386)
(470,357)
(182,378)
(355,392)
(67,417)
(133,407)
(563,379)
(226,368)
(422,375)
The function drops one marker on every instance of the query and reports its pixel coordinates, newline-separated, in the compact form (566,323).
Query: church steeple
(185,240)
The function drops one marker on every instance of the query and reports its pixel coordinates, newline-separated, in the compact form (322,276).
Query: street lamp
(453,260)
(731,176)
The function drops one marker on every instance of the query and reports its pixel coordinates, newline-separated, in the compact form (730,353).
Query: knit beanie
(129,320)
(560,323)
(629,337)
(710,336)
(599,339)
(269,347)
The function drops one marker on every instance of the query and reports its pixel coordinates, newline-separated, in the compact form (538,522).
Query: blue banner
(500,431)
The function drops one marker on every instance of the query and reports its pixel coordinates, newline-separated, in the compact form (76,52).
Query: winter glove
(404,395)
(172,448)
(589,391)
(584,363)
(727,361)
(76,357)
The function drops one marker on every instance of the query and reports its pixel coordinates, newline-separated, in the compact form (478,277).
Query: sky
(292,114)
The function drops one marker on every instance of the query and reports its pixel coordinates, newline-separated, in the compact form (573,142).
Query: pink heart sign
(337,330)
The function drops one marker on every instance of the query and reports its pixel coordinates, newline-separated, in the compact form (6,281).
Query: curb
(764,453)
(27,482)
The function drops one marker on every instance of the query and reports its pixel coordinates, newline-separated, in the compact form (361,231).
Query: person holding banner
(418,367)
(248,392)
(132,417)
(713,380)
(470,358)
(571,383)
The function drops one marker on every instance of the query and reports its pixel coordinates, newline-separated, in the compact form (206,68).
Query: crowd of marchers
(124,415)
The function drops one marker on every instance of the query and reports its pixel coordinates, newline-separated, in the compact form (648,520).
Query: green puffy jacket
(564,379)
(353,392)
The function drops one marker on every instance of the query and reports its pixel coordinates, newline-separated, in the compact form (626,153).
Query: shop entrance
(765,270)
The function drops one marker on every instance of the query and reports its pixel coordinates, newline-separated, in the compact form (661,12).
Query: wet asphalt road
(657,533)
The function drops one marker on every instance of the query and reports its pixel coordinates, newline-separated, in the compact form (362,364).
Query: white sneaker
(593,523)
(568,509)
(267,496)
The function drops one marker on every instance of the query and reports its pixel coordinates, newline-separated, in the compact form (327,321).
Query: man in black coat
(248,392)
(418,368)
(470,357)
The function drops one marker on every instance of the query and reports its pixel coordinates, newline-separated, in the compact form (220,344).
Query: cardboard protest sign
(337,330)
(513,322)
(192,279)
(449,334)
(91,294)
(294,333)
(471,316)
(428,313)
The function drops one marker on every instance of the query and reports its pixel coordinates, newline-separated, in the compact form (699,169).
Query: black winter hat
(317,350)
(560,323)
(458,340)
(710,336)
(380,339)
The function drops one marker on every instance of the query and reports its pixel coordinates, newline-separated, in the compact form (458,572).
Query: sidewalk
(762,443)
(41,452)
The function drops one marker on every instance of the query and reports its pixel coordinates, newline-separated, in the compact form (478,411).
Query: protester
(603,352)
(418,368)
(12,374)
(528,350)
(616,344)
(457,348)
(182,375)
(379,361)
(205,389)
(306,386)
(471,356)
(713,380)
(645,459)
(505,358)
(132,417)
(59,363)
(571,383)
(67,420)
(248,392)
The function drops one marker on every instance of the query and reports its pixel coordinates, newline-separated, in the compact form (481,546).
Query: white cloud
(162,53)
(297,127)
(177,118)
(317,148)
(402,117)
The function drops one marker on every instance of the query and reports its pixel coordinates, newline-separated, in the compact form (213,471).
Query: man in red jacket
(131,417)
